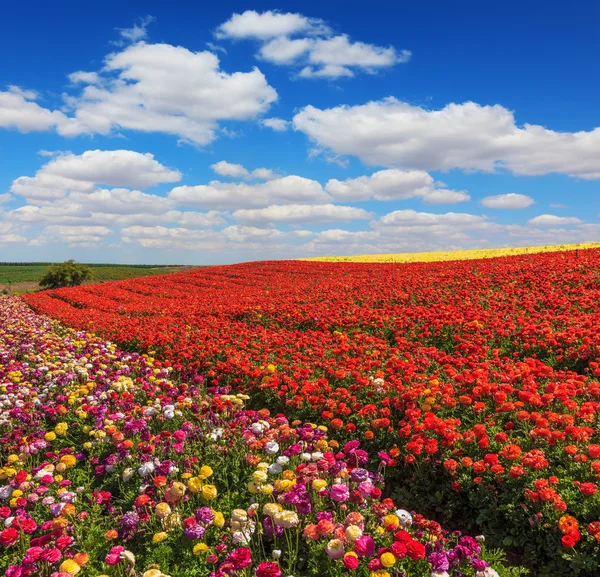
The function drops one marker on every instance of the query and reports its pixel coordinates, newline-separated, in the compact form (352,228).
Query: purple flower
(195,531)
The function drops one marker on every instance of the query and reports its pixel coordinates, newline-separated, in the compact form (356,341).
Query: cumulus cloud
(224,168)
(148,88)
(394,184)
(5,197)
(269,24)
(235,195)
(19,111)
(70,172)
(74,236)
(510,200)
(300,214)
(467,136)
(276,124)
(553,220)
(307,43)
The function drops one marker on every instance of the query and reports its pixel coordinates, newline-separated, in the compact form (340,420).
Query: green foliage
(69,273)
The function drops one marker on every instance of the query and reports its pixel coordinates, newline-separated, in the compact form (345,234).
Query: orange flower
(111,534)
(81,559)
(567,524)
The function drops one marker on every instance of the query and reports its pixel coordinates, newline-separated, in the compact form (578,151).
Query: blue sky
(137,131)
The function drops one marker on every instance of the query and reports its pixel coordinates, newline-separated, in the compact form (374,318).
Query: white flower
(271,448)
(146,469)
(8,521)
(405,517)
(150,412)
(317,456)
(127,474)
(6,492)
(305,456)
(487,572)
(283,460)
(275,468)
(258,427)
(276,553)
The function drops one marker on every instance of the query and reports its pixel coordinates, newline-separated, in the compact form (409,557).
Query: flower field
(115,467)
(475,384)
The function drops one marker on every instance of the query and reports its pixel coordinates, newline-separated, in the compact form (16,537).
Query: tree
(69,273)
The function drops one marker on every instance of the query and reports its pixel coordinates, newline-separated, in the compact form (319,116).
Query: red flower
(415,550)
(268,569)
(9,537)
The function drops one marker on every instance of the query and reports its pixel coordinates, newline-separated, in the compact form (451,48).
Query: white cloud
(122,201)
(276,124)
(459,136)
(412,218)
(552,220)
(148,88)
(510,200)
(391,184)
(295,40)
(70,172)
(225,168)
(81,236)
(139,31)
(557,206)
(394,184)
(269,24)
(445,196)
(265,174)
(224,195)
(18,110)
(300,214)
(84,77)
(5,197)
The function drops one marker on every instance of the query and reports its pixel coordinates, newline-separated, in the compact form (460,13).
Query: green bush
(69,273)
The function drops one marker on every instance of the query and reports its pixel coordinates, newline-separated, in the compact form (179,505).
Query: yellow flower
(319,484)
(195,484)
(200,548)
(271,368)
(266,489)
(13,458)
(353,533)
(219,519)
(379,573)
(69,566)
(209,492)
(51,436)
(162,510)
(289,475)
(61,429)
(17,493)
(253,487)
(388,560)
(205,472)
(286,519)
(68,460)
(158,537)
(259,476)
(271,509)
(391,520)
(283,486)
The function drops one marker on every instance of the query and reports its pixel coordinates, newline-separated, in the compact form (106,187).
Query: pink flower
(339,493)
(364,546)
(114,555)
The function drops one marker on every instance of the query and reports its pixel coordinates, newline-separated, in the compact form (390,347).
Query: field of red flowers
(477,382)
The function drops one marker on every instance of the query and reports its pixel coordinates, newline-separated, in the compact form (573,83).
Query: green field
(23,277)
